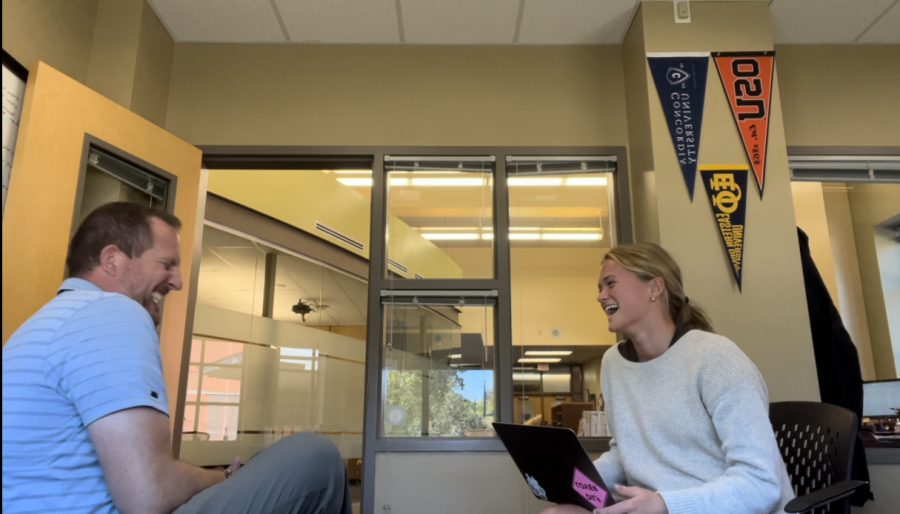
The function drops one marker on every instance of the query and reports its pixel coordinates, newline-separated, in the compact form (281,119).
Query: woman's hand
(639,501)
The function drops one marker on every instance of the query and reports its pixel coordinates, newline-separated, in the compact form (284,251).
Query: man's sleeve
(112,360)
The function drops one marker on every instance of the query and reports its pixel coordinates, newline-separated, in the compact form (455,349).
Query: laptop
(555,465)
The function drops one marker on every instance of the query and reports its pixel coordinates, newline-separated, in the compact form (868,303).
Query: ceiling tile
(822,21)
(239,21)
(887,30)
(340,21)
(472,22)
(575,22)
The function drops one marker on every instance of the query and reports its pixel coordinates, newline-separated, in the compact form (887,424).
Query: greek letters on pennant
(725,185)
(680,80)
(747,79)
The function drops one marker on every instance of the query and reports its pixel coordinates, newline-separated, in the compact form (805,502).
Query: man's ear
(111,260)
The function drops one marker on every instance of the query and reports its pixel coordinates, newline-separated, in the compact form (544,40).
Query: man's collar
(77,284)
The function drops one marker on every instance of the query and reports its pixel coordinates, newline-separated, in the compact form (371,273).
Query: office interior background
(342,169)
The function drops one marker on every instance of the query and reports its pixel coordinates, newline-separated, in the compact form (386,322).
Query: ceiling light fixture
(586,181)
(450,237)
(534,181)
(448,182)
(524,237)
(572,237)
(548,352)
(526,377)
(539,360)
(456,356)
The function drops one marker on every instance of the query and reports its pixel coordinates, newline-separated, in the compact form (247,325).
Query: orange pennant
(747,79)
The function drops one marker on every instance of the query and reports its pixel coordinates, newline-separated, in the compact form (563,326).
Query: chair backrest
(816,442)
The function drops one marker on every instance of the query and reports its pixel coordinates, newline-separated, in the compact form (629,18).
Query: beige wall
(809,210)
(153,69)
(397,95)
(118,48)
(640,137)
(768,319)
(846,268)
(871,204)
(840,95)
(58,32)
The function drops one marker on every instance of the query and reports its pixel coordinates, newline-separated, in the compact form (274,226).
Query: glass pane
(853,240)
(219,422)
(196,350)
(193,383)
(562,223)
(438,360)
(440,217)
(190,419)
(222,352)
(297,364)
(221,384)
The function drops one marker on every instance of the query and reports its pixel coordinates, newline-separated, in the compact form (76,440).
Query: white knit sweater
(693,425)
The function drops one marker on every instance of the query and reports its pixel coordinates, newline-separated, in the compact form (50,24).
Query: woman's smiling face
(625,298)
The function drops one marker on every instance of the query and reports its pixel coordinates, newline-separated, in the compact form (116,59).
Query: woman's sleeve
(609,465)
(737,401)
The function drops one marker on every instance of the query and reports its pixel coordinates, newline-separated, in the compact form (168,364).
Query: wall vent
(420,277)
(340,237)
(392,262)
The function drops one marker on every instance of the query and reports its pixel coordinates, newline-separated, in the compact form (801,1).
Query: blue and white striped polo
(84,355)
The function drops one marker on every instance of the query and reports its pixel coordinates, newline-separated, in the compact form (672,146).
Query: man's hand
(236,465)
(640,501)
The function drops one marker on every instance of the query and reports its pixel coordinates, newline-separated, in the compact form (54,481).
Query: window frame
(352,157)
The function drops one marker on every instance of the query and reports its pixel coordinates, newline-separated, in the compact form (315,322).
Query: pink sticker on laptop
(588,489)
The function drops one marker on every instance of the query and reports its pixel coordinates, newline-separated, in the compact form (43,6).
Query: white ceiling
(501,22)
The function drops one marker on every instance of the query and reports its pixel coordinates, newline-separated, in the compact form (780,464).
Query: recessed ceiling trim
(284,30)
(874,22)
(518,21)
(400,22)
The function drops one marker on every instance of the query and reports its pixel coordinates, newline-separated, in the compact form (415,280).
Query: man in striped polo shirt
(85,416)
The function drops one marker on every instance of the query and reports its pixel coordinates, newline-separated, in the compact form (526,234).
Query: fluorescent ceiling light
(356,182)
(429,229)
(572,229)
(456,356)
(572,237)
(399,181)
(548,352)
(526,377)
(545,360)
(535,181)
(448,182)
(487,237)
(524,237)
(586,181)
(450,237)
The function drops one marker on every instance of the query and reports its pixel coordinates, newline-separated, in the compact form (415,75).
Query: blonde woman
(688,411)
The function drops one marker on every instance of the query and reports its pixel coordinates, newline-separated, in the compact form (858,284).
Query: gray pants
(300,474)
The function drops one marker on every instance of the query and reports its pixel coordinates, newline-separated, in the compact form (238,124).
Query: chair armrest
(823,496)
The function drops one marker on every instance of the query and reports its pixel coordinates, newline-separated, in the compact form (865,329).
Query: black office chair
(816,442)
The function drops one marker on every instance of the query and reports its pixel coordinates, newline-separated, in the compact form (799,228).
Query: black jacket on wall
(837,362)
